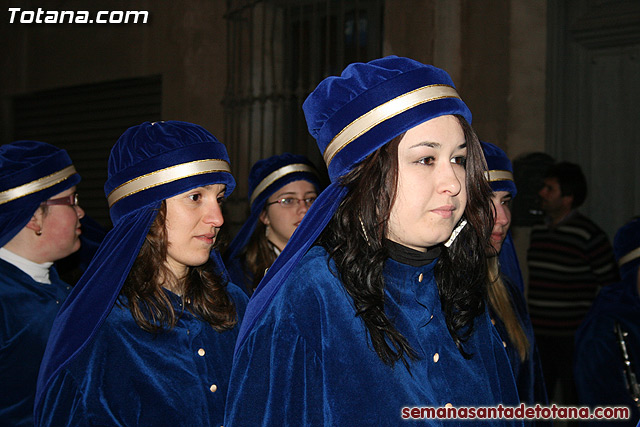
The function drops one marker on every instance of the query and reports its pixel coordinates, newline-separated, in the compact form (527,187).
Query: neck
(558,216)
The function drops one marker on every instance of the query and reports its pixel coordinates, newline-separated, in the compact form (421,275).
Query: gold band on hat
(37,185)
(629,257)
(276,175)
(384,112)
(498,175)
(165,176)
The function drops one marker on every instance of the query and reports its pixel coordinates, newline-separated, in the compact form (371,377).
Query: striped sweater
(567,265)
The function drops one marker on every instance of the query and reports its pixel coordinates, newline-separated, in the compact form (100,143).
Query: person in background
(569,259)
(39,224)
(607,361)
(281,190)
(377,302)
(146,337)
(508,306)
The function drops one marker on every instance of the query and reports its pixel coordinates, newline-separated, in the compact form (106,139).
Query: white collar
(38,272)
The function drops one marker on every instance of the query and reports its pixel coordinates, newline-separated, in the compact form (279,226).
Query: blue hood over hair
(351,116)
(148,164)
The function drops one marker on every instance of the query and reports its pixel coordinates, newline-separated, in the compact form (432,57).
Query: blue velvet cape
(528,373)
(27,310)
(308,360)
(129,377)
(598,358)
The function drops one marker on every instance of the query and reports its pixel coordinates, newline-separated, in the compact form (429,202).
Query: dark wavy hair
(205,291)
(354,240)
(258,255)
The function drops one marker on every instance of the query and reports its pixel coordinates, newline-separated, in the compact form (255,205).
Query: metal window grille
(278,51)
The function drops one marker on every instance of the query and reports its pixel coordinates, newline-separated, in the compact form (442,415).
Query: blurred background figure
(507,303)
(607,358)
(39,224)
(569,259)
(281,190)
(147,335)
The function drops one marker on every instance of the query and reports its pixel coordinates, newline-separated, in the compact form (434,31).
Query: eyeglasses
(290,202)
(70,200)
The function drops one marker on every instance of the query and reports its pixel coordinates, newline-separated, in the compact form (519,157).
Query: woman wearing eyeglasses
(281,190)
(146,337)
(39,224)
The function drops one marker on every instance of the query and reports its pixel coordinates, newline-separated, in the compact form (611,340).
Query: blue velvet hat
(30,173)
(351,116)
(265,178)
(499,169)
(148,164)
(626,247)
(500,176)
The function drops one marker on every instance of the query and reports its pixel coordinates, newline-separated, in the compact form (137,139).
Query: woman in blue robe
(376,305)
(507,304)
(39,224)
(606,375)
(281,190)
(146,337)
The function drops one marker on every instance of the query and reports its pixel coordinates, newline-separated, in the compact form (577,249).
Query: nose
(79,211)
(502,216)
(213,215)
(450,179)
(302,206)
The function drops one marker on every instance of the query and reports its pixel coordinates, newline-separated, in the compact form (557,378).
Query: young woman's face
(193,221)
(431,194)
(283,218)
(60,228)
(502,218)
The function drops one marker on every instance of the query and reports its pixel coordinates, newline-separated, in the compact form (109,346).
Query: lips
(497,237)
(208,238)
(445,211)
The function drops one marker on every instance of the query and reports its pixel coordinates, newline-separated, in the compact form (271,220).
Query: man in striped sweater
(569,259)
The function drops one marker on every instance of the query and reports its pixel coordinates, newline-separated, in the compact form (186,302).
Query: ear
(264,217)
(35,223)
(567,201)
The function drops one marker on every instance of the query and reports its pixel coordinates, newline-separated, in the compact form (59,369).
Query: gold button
(504,344)
(436,357)
(431,317)
(201,352)
(420,277)
(213,388)
(493,322)
(448,405)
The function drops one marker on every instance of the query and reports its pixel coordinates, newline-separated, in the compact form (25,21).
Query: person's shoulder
(586,224)
(239,298)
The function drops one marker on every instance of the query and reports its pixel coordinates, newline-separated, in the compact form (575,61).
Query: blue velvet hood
(148,164)
(351,116)
(265,178)
(30,173)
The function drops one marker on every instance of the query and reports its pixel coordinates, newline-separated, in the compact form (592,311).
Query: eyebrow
(293,193)
(435,145)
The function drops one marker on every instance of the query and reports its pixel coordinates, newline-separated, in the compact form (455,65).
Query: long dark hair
(354,240)
(204,290)
(258,255)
